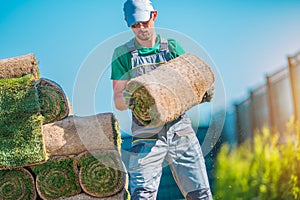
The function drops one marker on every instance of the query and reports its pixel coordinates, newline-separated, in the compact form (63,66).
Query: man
(176,141)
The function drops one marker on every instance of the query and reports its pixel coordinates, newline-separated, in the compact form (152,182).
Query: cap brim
(138,17)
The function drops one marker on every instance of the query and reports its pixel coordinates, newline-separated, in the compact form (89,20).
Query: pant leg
(145,168)
(187,161)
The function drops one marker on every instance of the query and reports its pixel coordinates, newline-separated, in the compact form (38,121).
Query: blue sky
(245,39)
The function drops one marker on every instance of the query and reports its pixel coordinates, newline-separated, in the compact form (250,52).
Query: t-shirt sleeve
(175,48)
(120,64)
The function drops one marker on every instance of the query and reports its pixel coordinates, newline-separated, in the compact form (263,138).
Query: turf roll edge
(100,173)
(17,184)
(53,101)
(57,178)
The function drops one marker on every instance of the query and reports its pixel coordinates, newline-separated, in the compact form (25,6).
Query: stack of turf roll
(21,138)
(94,143)
(46,153)
(165,93)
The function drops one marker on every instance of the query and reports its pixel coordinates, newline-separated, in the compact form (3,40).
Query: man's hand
(128,99)
(209,94)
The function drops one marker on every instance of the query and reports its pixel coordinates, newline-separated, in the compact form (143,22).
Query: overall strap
(164,45)
(131,48)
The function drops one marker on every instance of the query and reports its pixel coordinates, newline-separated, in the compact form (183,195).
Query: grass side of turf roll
(21,137)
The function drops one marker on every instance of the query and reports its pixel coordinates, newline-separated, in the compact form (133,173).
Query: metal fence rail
(244,120)
(260,109)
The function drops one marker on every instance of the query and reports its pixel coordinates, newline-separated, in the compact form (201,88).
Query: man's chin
(144,36)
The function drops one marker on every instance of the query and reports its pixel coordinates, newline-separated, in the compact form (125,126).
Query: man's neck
(147,43)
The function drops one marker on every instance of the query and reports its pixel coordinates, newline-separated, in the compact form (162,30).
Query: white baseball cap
(137,11)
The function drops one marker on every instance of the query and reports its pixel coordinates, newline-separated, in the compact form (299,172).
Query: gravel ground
(83,196)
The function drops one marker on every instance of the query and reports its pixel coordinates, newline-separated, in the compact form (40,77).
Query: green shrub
(267,169)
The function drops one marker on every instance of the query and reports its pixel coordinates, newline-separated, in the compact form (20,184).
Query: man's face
(144,30)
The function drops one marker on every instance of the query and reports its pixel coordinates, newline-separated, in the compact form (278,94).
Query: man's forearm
(119,102)
(119,86)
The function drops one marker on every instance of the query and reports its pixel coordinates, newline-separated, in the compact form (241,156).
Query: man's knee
(201,194)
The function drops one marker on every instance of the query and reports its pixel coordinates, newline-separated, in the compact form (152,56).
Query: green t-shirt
(121,60)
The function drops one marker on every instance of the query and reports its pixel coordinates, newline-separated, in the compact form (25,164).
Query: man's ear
(154,15)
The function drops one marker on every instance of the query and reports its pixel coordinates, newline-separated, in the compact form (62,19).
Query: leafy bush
(266,169)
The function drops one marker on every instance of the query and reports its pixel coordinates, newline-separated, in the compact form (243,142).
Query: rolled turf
(74,135)
(53,101)
(19,66)
(100,173)
(57,178)
(165,93)
(17,184)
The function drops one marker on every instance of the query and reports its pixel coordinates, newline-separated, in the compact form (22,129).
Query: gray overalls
(175,142)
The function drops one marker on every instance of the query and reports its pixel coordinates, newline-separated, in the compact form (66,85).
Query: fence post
(270,103)
(293,87)
(238,124)
(252,113)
